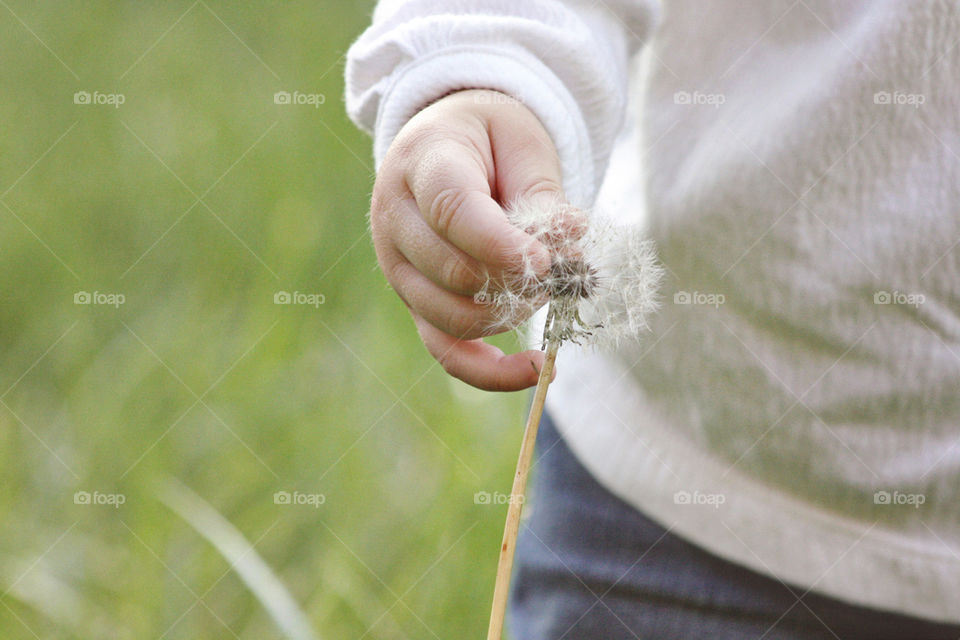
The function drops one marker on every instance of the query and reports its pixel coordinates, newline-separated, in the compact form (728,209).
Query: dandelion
(601,287)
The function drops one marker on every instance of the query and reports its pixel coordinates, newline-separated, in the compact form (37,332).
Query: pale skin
(438,226)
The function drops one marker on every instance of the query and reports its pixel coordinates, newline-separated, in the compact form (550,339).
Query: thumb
(527,167)
(525,159)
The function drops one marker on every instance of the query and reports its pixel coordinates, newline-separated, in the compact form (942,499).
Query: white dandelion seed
(602,284)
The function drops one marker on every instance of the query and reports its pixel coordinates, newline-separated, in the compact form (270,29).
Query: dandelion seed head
(629,276)
(573,277)
(607,276)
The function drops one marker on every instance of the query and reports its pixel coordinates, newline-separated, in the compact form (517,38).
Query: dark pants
(589,566)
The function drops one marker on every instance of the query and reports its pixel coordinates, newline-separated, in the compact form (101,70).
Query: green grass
(198,375)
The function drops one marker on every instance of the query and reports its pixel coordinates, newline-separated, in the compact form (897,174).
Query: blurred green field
(199,199)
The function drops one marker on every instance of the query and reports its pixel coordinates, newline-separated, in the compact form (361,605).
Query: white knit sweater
(796,407)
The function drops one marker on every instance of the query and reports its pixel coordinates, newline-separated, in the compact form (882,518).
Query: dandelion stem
(515,504)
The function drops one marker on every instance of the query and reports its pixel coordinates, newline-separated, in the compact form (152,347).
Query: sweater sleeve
(566,60)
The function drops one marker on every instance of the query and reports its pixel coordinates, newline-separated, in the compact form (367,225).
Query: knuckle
(448,364)
(501,252)
(459,274)
(413,136)
(384,204)
(447,208)
(500,382)
(395,272)
(463,323)
(406,145)
(379,201)
(541,186)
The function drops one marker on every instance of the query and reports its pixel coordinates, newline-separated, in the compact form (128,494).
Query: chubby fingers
(457,315)
(480,364)
(451,186)
(444,264)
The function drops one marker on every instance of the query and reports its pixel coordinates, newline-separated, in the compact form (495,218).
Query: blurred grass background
(198,199)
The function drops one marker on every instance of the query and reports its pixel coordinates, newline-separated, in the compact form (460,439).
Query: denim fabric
(589,566)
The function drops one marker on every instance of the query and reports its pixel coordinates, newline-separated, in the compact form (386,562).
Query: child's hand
(438,229)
